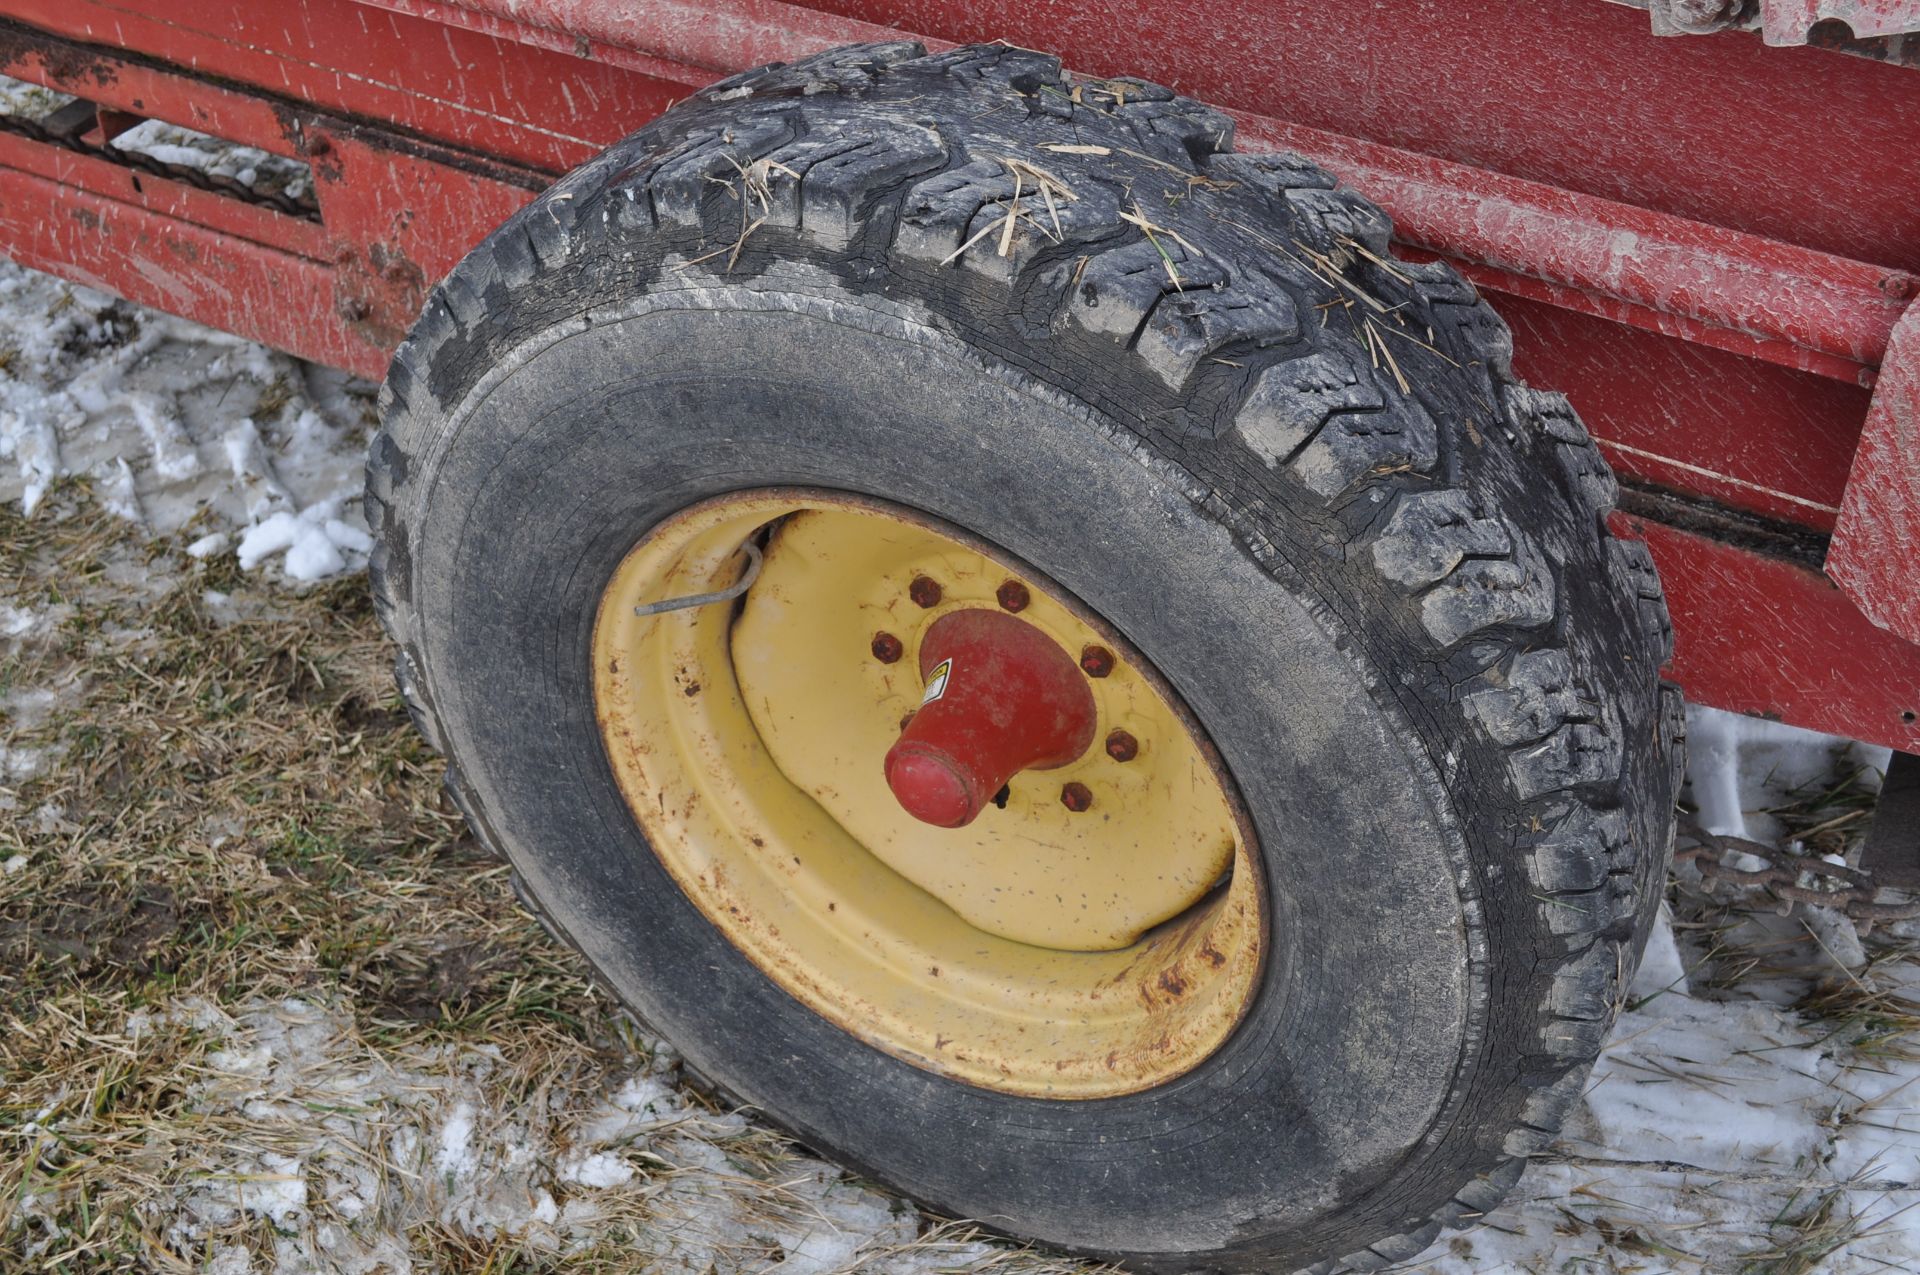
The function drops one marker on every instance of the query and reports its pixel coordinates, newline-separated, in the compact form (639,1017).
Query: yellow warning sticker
(937,682)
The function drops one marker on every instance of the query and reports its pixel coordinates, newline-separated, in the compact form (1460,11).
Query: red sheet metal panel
(1792,144)
(1754,436)
(1759,635)
(396,212)
(266,293)
(1875,556)
(1799,145)
(507,100)
(1756,296)
(386,209)
(175,200)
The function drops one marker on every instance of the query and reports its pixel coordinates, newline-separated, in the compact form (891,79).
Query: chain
(1791,878)
(304,206)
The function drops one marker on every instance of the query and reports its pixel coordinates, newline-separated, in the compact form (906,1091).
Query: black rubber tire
(1375,566)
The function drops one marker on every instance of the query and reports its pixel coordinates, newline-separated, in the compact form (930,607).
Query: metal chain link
(1791,878)
(304,206)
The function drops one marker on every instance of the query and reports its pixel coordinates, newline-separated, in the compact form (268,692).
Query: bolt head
(924,591)
(887,648)
(1096,661)
(1121,746)
(1013,596)
(1076,797)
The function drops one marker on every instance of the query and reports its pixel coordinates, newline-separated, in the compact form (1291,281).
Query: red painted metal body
(1720,290)
(1000,698)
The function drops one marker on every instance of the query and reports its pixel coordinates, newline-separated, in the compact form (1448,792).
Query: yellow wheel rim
(1040,950)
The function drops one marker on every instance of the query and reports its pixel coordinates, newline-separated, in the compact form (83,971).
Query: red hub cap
(1001,698)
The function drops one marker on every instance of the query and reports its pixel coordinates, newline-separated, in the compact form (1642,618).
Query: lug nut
(887,648)
(1096,661)
(1121,746)
(925,592)
(1076,797)
(1013,596)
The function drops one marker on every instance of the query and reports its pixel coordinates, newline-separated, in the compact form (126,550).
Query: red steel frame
(1710,245)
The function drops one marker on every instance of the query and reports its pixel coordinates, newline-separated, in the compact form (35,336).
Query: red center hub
(1001,698)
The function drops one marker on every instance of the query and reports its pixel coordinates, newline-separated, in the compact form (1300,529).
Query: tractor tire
(1193,393)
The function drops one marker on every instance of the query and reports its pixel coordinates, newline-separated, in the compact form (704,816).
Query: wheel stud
(887,648)
(1121,746)
(1096,661)
(925,592)
(1076,797)
(1013,596)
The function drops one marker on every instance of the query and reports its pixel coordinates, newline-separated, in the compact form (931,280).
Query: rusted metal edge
(1785,23)
(155,189)
(1773,537)
(1737,291)
(132,81)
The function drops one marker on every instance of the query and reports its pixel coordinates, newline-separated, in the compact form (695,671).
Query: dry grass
(234,843)
(240,804)
(238,809)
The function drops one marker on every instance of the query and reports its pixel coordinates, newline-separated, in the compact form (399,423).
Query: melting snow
(173,422)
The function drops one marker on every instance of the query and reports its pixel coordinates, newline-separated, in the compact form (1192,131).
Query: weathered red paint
(246,222)
(1002,698)
(508,101)
(1751,435)
(387,203)
(1757,296)
(1764,636)
(1875,558)
(271,295)
(1740,292)
(1715,301)
(374,197)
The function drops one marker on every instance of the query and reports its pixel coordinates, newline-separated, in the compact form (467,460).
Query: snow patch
(596,1169)
(1738,767)
(209,545)
(172,421)
(317,543)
